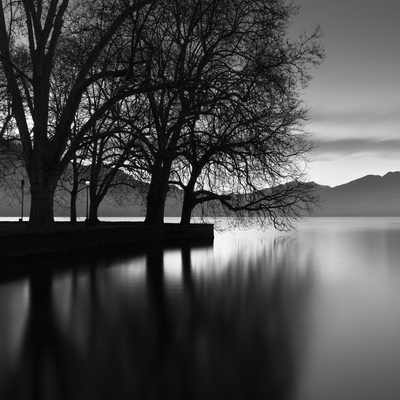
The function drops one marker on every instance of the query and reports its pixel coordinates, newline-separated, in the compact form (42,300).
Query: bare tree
(192,63)
(111,149)
(72,182)
(12,168)
(227,122)
(43,29)
(248,157)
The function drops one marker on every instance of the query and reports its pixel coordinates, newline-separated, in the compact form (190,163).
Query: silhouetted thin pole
(22,199)
(87,183)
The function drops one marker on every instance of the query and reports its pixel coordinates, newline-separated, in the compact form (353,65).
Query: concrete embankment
(18,244)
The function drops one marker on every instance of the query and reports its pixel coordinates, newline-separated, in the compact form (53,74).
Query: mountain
(10,206)
(372,195)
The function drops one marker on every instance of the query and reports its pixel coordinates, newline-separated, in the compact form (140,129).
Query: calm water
(309,315)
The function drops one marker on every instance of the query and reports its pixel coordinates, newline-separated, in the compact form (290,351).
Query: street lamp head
(87,183)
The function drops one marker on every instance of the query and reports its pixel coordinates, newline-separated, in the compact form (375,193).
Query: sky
(354,96)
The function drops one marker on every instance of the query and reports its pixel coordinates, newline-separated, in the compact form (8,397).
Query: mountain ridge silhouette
(371,195)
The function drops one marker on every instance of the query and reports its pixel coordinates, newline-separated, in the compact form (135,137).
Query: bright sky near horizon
(354,97)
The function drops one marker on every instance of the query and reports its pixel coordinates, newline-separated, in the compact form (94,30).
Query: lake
(307,315)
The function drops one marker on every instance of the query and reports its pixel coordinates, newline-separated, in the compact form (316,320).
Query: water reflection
(312,315)
(184,323)
(354,317)
(14,307)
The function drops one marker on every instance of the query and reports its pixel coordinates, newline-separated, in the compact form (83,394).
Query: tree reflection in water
(121,329)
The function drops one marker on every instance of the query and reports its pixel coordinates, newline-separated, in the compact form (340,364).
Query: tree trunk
(189,199)
(43,178)
(93,210)
(41,218)
(157,195)
(187,207)
(73,215)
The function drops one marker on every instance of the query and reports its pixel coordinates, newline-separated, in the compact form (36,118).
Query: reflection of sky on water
(355,310)
(14,307)
(309,315)
(186,322)
(172,265)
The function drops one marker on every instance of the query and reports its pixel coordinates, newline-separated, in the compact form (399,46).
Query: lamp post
(22,200)
(87,183)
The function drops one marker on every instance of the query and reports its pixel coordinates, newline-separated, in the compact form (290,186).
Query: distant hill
(372,195)
(10,206)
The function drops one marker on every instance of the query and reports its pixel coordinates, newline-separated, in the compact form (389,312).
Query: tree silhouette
(36,37)
(227,119)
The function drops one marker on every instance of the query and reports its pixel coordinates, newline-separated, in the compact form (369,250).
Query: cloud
(357,146)
(355,117)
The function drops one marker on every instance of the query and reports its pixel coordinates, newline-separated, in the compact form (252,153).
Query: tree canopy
(200,94)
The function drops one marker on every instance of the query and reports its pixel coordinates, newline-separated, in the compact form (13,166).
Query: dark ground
(10,227)
(17,243)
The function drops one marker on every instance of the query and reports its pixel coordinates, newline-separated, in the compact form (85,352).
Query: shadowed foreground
(164,324)
(17,244)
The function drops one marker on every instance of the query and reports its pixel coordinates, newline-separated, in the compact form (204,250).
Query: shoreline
(108,238)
